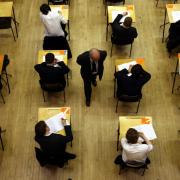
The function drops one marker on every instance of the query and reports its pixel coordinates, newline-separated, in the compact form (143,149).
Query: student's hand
(63,121)
(141,134)
(124,13)
(130,67)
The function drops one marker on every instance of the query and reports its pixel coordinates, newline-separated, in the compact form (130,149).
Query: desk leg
(15,22)
(2,131)
(118,133)
(164,24)
(68,30)
(175,73)
(115,83)
(107,29)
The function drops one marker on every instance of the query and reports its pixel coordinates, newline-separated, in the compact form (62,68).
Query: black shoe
(87,103)
(94,83)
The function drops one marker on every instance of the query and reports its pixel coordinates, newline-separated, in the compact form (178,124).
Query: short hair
(128,21)
(49,58)
(40,129)
(136,70)
(45,8)
(132,136)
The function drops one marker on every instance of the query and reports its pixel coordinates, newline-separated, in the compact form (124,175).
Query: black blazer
(120,34)
(51,74)
(55,144)
(130,85)
(84,61)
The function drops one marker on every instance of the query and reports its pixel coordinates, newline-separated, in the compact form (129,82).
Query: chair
(59,2)
(1,86)
(120,42)
(2,131)
(134,165)
(5,23)
(55,87)
(112,2)
(56,43)
(127,98)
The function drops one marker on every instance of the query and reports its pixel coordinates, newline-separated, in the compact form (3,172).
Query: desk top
(45,113)
(42,53)
(1,62)
(126,122)
(170,8)
(6,9)
(122,61)
(129,8)
(62,8)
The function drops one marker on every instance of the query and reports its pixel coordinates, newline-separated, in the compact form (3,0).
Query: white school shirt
(52,23)
(135,152)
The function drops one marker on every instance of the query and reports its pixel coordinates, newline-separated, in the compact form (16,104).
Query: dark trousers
(87,86)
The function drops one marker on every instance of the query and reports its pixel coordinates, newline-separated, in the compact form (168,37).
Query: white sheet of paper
(126,65)
(58,57)
(147,129)
(54,123)
(115,13)
(56,9)
(176,16)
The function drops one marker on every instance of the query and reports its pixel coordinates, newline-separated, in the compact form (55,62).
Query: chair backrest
(121,40)
(127,98)
(51,87)
(135,164)
(5,22)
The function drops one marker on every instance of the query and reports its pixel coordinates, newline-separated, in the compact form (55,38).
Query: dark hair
(132,136)
(49,58)
(45,8)
(128,22)
(137,70)
(40,129)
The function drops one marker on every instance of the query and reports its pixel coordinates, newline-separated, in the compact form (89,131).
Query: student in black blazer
(131,84)
(91,63)
(53,145)
(52,71)
(123,33)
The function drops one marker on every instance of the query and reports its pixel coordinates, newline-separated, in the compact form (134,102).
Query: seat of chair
(135,164)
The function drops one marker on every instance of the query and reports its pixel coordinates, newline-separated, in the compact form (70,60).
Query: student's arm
(144,77)
(67,128)
(80,59)
(65,69)
(62,19)
(150,146)
(135,34)
(103,55)
(121,73)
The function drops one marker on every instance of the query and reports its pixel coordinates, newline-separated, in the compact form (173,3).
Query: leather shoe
(88,103)
(94,83)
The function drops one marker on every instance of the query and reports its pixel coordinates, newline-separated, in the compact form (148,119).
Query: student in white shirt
(52,21)
(133,147)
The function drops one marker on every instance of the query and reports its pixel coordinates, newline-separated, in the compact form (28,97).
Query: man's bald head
(94,54)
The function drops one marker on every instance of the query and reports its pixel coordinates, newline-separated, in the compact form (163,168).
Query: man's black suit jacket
(130,85)
(54,145)
(51,74)
(84,61)
(122,35)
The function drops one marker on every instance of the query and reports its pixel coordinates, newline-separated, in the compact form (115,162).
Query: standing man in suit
(53,145)
(91,63)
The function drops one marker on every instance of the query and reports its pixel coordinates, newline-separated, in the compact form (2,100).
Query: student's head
(132,136)
(49,58)
(44,8)
(94,54)
(136,70)
(41,128)
(128,22)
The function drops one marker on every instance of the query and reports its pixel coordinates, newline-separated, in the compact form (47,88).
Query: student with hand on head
(53,145)
(51,71)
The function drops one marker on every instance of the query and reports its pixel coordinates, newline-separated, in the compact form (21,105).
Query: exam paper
(176,15)
(115,13)
(56,9)
(126,65)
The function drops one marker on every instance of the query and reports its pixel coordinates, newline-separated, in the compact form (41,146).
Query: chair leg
(2,97)
(175,73)
(130,51)
(13,33)
(7,81)
(1,138)
(117,105)
(43,96)
(143,171)
(138,106)
(111,50)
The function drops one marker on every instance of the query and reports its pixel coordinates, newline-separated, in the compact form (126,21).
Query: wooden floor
(94,128)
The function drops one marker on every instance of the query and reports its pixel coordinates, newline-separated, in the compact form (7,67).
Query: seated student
(53,145)
(123,33)
(52,71)
(174,36)
(133,147)
(131,84)
(52,21)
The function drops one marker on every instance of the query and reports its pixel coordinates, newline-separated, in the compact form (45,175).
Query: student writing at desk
(123,33)
(130,82)
(54,145)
